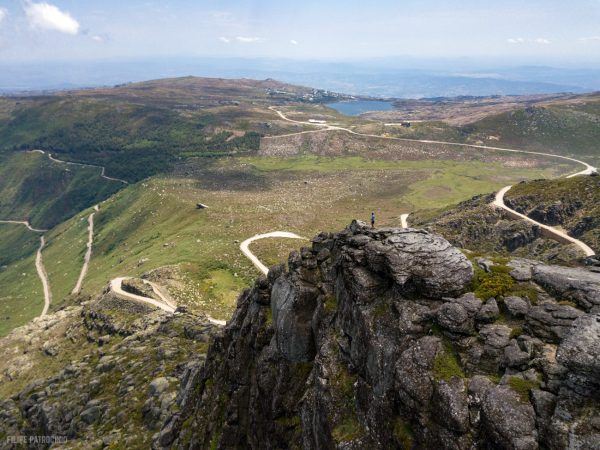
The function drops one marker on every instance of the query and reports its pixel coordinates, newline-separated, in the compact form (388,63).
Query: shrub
(522,387)
(495,283)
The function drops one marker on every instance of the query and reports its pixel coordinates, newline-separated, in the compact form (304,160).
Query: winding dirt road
(39,263)
(499,200)
(326,127)
(102,168)
(550,232)
(244,246)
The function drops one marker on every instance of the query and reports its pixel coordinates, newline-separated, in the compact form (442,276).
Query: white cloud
(3,14)
(294,42)
(98,38)
(45,16)
(590,39)
(521,40)
(248,39)
(224,39)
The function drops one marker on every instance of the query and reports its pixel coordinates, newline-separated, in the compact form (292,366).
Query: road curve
(499,201)
(325,127)
(117,288)
(244,246)
(21,222)
(553,232)
(102,168)
(166,304)
(39,263)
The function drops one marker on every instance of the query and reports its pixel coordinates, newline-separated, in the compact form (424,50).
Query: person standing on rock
(373,219)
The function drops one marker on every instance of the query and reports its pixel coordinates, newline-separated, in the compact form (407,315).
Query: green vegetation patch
(495,283)
(522,387)
(446,365)
(404,434)
(348,430)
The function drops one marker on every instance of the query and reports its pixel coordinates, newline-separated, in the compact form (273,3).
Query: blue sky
(508,31)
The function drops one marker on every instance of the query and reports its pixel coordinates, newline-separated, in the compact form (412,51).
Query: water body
(358,107)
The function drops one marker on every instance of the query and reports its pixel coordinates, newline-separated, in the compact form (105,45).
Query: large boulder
(509,421)
(579,285)
(551,321)
(420,261)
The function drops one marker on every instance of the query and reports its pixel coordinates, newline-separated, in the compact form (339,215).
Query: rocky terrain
(572,203)
(392,338)
(105,374)
(371,338)
(475,226)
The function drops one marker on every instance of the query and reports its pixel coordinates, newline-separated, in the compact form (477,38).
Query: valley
(314,169)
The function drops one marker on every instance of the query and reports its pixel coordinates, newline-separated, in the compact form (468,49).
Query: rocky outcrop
(580,286)
(370,339)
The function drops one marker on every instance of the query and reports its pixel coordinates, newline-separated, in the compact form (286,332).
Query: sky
(524,31)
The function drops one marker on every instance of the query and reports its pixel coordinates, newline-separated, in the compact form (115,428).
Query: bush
(522,387)
(495,283)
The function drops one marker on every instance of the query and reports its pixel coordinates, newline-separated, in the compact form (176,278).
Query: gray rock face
(551,321)
(366,340)
(417,260)
(580,349)
(578,285)
(517,306)
(510,423)
(293,306)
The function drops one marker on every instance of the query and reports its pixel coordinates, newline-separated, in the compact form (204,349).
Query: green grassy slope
(21,295)
(155,224)
(45,192)
(570,129)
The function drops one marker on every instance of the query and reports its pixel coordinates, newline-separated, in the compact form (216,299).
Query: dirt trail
(102,171)
(41,270)
(499,201)
(244,246)
(39,263)
(551,232)
(88,253)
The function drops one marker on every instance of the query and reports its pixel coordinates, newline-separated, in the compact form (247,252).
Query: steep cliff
(371,339)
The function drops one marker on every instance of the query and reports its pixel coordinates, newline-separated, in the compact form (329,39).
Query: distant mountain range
(379,78)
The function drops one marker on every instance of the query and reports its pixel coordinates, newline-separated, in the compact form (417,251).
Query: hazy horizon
(467,48)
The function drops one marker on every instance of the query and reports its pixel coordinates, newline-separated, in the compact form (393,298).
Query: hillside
(382,338)
(568,203)
(140,129)
(46,192)
(571,203)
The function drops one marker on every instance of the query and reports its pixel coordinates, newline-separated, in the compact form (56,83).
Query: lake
(355,108)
